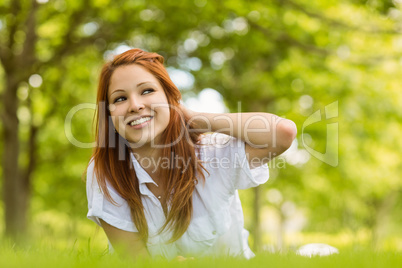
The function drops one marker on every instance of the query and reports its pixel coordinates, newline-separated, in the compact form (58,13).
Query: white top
(217,224)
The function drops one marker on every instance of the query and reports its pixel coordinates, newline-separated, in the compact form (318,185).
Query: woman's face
(138,105)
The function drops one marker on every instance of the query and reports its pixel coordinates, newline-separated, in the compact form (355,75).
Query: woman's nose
(136,105)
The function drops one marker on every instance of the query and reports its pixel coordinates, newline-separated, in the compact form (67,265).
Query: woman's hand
(187,112)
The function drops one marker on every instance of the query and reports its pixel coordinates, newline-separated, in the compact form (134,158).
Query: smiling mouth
(139,121)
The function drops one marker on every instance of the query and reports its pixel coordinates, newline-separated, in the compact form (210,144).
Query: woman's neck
(149,159)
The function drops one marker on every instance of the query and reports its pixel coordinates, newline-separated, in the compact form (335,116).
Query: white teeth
(140,121)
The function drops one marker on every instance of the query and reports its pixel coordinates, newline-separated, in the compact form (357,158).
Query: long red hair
(112,153)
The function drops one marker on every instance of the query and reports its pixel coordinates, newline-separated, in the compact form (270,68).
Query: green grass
(65,243)
(51,257)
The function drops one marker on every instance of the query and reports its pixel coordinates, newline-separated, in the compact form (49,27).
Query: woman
(163,179)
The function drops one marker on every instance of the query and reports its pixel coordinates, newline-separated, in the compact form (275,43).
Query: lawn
(82,244)
(48,257)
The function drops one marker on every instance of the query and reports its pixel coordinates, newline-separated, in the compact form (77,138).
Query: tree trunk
(18,67)
(280,241)
(256,219)
(382,218)
(15,189)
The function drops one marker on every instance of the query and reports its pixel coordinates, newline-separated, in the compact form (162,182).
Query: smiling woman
(143,181)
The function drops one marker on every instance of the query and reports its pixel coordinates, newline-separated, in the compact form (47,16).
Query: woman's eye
(119,99)
(147,91)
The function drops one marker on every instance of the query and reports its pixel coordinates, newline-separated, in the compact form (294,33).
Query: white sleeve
(231,162)
(99,207)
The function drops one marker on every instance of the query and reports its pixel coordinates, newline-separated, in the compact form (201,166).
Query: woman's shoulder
(90,173)
(214,138)
(219,146)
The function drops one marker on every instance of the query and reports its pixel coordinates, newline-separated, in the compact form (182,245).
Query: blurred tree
(293,58)
(40,41)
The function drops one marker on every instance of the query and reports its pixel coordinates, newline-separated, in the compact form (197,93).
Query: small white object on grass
(314,249)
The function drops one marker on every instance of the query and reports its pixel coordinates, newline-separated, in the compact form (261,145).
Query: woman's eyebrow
(117,90)
(144,83)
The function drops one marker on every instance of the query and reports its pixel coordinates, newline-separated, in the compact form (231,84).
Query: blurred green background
(333,67)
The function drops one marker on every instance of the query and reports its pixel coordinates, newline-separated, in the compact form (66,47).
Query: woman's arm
(127,244)
(266,135)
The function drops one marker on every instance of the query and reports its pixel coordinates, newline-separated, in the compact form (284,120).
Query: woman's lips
(141,125)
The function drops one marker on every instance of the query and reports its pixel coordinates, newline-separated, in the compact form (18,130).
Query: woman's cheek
(165,114)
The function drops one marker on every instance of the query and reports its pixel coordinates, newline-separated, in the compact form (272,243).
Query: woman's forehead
(129,77)
(130,74)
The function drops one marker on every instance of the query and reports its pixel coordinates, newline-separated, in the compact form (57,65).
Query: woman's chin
(150,142)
